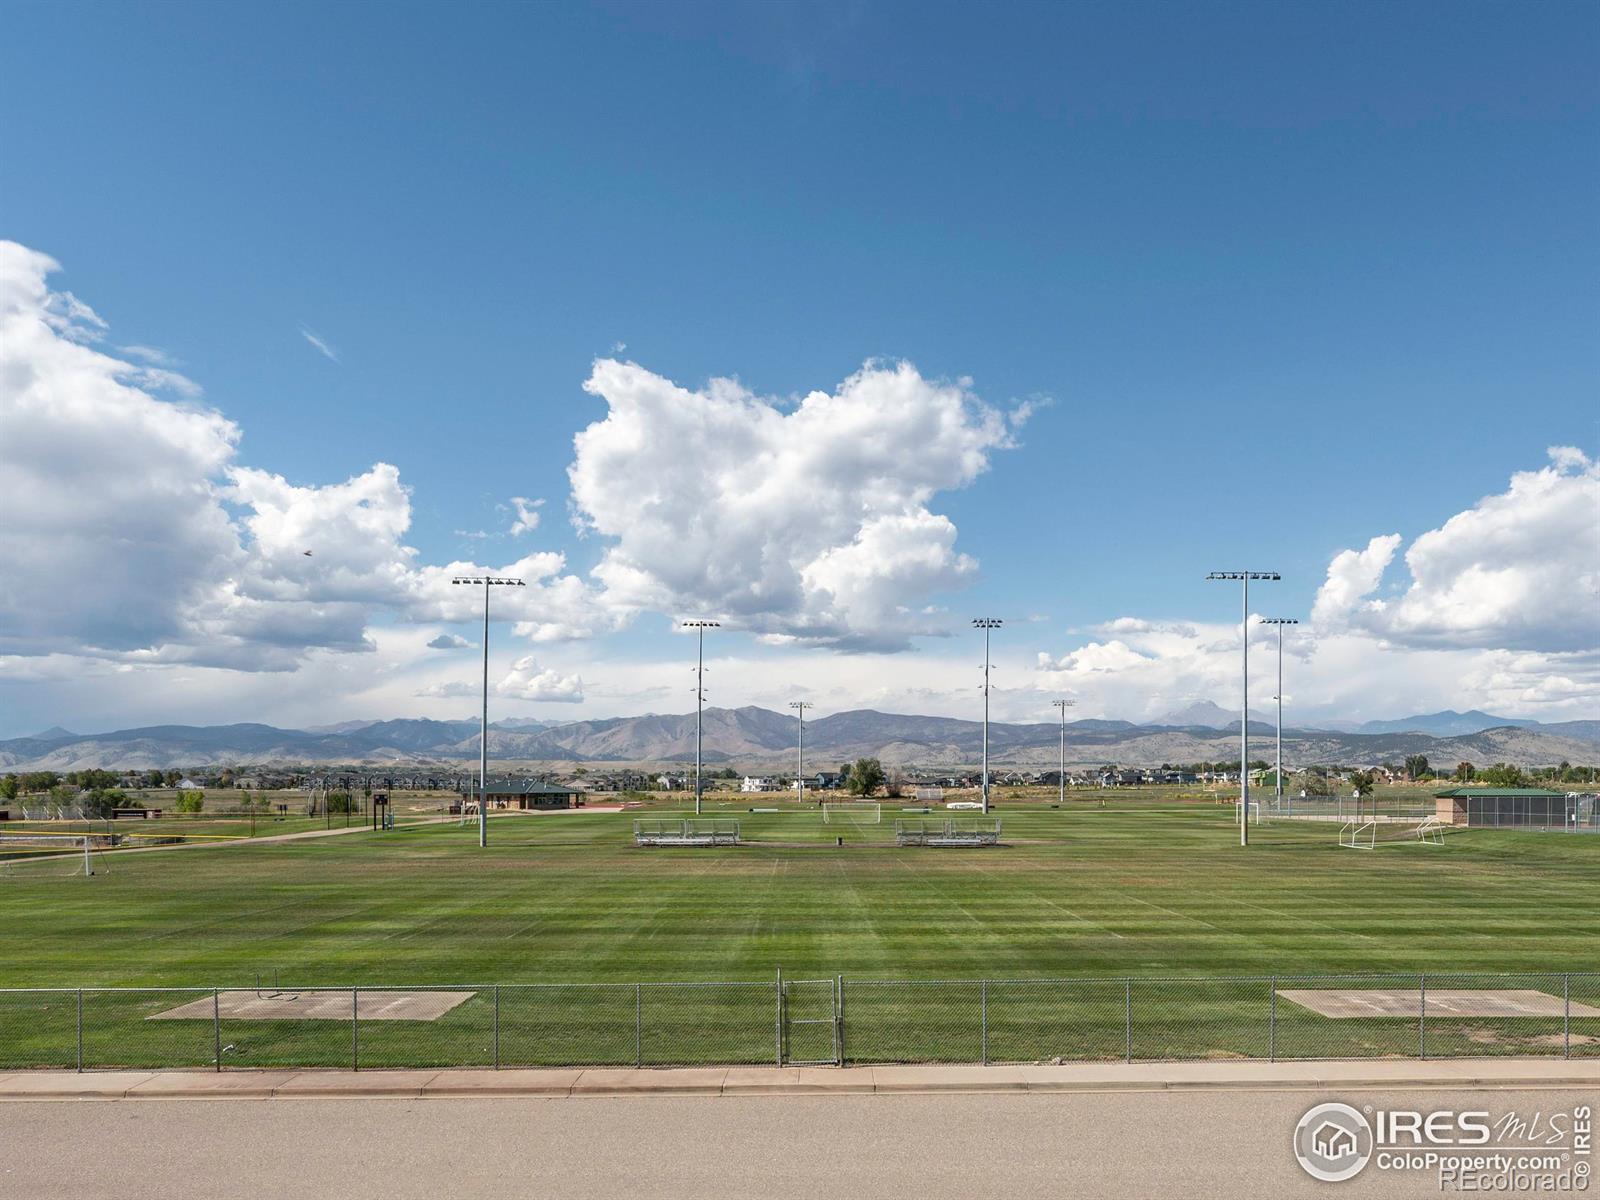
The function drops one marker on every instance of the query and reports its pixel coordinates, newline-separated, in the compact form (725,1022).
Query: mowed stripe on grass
(1141,890)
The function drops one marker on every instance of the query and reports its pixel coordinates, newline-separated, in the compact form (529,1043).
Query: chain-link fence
(783,1021)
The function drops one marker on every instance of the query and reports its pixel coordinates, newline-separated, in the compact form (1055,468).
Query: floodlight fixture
(800,707)
(1279,622)
(700,628)
(1244,578)
(988,625)
(1061,777)
(486,582)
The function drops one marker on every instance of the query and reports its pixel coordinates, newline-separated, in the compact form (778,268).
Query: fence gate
(809,1020)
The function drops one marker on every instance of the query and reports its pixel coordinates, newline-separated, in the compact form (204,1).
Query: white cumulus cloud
(1520,570)
(130,532)
(526,518)
(808,523)
(528,681)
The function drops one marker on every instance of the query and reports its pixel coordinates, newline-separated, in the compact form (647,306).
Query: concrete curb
(1519,1073)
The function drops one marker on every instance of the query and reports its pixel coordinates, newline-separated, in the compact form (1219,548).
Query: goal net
(52,855)
(852,814)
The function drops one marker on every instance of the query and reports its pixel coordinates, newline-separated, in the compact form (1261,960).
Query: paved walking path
(1518,1073)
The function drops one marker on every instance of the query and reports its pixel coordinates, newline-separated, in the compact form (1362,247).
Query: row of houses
(822,781)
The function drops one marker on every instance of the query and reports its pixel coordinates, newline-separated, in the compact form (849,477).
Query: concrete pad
(71,1085)
(515,1082)
(948,1079)
(677,1081)
(205,1084)
(355,1083)
(1343,1003)
(328,1004)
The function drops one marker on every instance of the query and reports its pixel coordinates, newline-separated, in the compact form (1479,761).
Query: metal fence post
(1566,1016)
(638,1024)
(838,1028)
(983,1018)
(1128,1014)
(497,1027)
(1422,1016)
(779,1027)
(1272,1027)
(216,1025)
(80,1029)
(355,1030)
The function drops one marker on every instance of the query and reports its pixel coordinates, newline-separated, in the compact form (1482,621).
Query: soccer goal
(852,814)
(1358,835)
(46,855)
(1431,832)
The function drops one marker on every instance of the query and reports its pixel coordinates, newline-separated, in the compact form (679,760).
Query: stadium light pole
(800,707)
(986,624)
(1061,778)
(487,581)
(700,628)
(1244,577)
(1280,622)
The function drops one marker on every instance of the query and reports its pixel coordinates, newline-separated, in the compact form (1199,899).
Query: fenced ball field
(1087,931)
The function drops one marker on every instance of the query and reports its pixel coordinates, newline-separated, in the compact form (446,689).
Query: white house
(760,783)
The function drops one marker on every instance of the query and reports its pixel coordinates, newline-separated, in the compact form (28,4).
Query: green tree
(172,776)
(103,802)
(866,777)
(1504,775)
(9,787)
(191,802)
(1315,782)
(1465,772)
(1416,766)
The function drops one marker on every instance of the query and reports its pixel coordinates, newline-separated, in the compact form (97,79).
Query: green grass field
(566,897)
(1143,890)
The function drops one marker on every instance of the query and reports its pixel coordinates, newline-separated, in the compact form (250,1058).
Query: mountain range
(758,738)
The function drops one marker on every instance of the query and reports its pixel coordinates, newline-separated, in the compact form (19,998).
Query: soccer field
(566,897)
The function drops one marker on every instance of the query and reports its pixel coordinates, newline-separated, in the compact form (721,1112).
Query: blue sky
(1286,278)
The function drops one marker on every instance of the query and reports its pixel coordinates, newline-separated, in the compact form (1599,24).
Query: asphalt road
(1232,1144)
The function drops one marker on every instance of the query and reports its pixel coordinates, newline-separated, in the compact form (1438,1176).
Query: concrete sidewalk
(1518,1073)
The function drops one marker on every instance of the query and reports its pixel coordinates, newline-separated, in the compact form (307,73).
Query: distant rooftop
(530,788)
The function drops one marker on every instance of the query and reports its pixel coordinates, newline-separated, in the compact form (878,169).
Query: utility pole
(1061,780)
(1280,622)
(700,628)
(488,581)
(1244,577)
(800,707)
(986,624)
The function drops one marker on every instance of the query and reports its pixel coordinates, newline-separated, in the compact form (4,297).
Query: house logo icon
(1333,1142)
